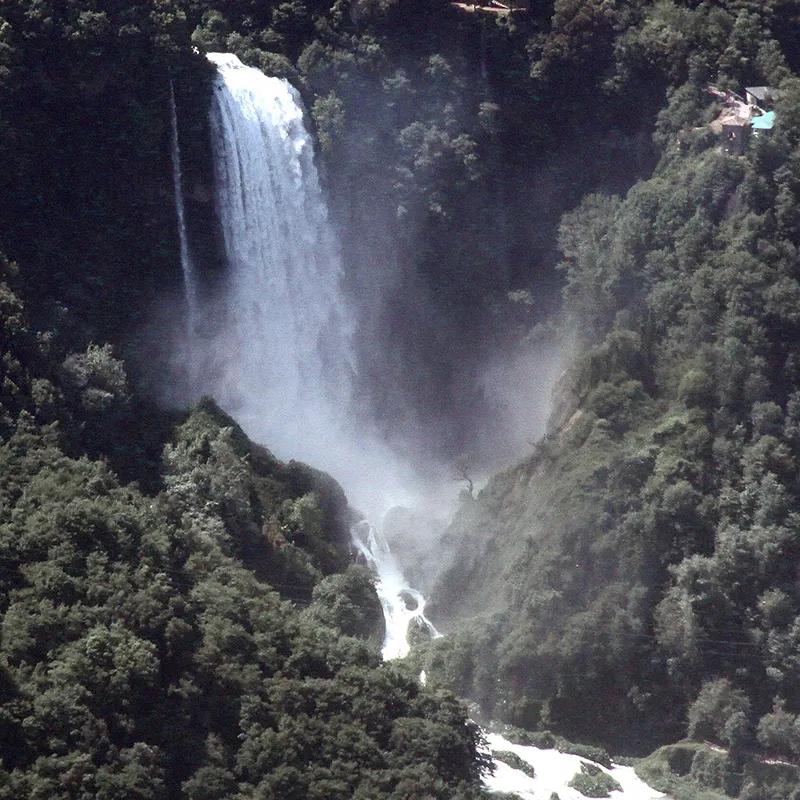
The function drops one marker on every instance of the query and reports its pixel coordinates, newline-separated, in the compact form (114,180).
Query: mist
(330,337)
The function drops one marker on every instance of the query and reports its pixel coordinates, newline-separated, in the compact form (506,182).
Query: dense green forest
(181,615)
(635,579)
(207,640)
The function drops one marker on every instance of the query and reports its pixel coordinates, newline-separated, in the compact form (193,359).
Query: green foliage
(594,281)
(144,658)
(716,771)
(348,602)
(668,770)
(288,523)
(639,567)
(329,116)
(591,781)
(693,771)
(514,761)
(547,740)
(542,739)
(779,731)
(668,480)
(145,652)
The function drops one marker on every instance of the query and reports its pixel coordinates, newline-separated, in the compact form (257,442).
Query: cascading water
(278,352)
(401,604)
(189,277)
(281,349)
(279,356)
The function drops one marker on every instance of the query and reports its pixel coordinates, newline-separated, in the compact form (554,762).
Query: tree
(778,731)
(717,702)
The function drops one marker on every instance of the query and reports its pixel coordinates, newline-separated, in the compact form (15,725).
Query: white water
(282,356)
(189,277)
(401,604)
(553,772)
(277,350)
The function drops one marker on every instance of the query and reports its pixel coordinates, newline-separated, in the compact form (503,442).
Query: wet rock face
(410,601)
(201,192)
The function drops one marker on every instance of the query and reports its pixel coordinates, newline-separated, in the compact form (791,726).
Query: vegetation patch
(514,761)
(178,616)
(146,646)
(591,781)
(547,740)
(696,771)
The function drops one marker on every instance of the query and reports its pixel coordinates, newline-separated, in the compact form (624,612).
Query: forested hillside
(640,569)
(208,640)
(181,616)
(181,612)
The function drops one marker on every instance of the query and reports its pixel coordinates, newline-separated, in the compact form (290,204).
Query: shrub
(716,771)
(514,761)
(591,781)
(778,731)
(544,740)
(696,389)
(348,601)
(597,754)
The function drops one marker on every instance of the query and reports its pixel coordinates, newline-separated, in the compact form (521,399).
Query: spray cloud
(282,345)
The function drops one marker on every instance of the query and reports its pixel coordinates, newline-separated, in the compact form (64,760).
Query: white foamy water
(279,355)
(401,604)
(554,771)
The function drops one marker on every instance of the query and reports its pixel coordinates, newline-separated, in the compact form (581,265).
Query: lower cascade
(534,773)
(275,343)
(403,607)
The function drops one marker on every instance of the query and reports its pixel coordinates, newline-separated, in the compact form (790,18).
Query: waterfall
(281,352)
(189,278)
(275,348)
(401,604)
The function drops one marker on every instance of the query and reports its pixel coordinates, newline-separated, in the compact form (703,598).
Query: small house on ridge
(742,117)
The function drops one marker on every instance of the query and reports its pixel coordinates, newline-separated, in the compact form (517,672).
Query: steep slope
(648,549)
(147,646)
(639,566)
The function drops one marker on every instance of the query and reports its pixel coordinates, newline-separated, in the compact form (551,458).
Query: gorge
(206,409)
(281,352)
